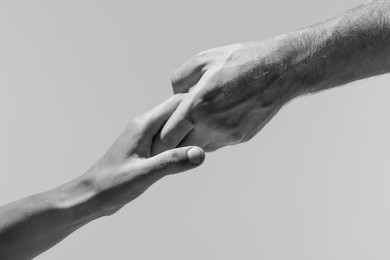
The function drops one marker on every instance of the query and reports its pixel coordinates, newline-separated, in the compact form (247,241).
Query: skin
(231,94)
(235,90)
(32,225)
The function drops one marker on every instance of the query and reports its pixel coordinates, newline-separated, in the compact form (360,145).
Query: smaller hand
(127,169)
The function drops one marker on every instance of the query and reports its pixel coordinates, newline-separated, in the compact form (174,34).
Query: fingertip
(177,160)
(195,155)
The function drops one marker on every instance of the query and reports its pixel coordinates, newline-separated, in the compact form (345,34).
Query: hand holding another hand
(127,169)
(230,97)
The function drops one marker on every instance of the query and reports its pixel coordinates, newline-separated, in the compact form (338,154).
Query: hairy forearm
(344,49)
(235,90)
(33,224)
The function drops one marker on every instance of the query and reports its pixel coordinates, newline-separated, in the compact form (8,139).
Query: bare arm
(236,89)
(32,225)
(347,48)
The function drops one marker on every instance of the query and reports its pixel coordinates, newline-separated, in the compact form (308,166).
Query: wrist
(274,63)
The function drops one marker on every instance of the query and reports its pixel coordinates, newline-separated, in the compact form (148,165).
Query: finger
(212,147)
(155,118)
(139,133)
(176,160)
(187,75)
(151,170)
(174,130)
(196,138)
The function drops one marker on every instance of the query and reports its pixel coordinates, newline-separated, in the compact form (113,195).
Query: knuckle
(169,141)
(138,124)
(199,58)
(175,78)
(236,136)
(202,59)
(138,120)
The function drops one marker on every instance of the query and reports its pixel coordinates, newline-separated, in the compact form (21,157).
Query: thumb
(177,160)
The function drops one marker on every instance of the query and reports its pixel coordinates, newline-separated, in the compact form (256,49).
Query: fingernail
(195,155)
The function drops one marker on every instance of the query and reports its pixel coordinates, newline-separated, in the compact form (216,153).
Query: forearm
(344,49)
(235,90)
(33,224)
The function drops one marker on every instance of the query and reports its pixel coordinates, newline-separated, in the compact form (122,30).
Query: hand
(127,170)
(231,97)
(33,224)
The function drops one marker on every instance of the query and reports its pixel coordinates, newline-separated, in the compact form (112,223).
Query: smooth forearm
(344,49)
(33,224)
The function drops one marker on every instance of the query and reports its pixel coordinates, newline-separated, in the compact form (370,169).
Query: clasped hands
(221,97)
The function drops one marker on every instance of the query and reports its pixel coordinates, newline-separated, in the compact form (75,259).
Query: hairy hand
(230,97)
(127,169)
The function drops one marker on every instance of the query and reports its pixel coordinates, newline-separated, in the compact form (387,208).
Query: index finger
(187,75)
(155,118)
(173,132)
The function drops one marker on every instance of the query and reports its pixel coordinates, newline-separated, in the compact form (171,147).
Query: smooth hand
(127,169)
(33,224)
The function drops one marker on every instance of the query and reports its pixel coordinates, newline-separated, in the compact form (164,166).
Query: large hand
(230,97)
(127,169)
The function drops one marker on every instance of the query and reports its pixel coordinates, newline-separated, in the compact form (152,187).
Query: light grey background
(314,184)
